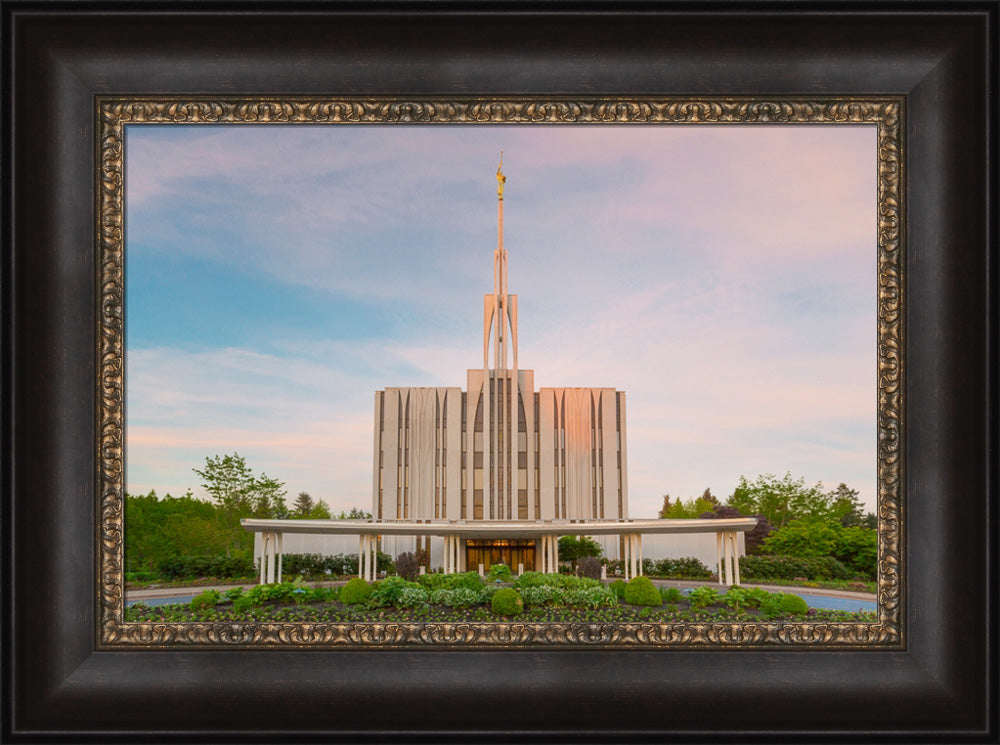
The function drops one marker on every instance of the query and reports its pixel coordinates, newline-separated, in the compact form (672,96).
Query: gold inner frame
(114,113)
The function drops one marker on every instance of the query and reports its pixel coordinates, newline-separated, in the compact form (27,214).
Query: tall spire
(500,391)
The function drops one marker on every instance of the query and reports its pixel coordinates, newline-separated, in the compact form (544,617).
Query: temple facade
(498,472)
(500,450)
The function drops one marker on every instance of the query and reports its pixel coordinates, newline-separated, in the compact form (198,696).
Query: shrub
(232,593)
(190,567)
(669,594)
(618,588)
(566,581)
(459,597)
(736,598)
(355,592)
(858,549)
(506,602)
(407,566)
(433,581)
(206,599)
(702,597)
(640,591)
(589,566)
(499,573)
(243,603)
(543,595)
(686,567)
(387,592)
(591,597)
(790,603)
(765,567)
(410,597)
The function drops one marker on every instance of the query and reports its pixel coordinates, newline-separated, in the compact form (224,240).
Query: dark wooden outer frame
(58,687)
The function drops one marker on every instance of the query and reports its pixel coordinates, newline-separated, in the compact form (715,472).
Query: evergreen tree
(303,505)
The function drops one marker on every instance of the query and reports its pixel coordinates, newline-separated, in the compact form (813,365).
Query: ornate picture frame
(886,114)
(71,672)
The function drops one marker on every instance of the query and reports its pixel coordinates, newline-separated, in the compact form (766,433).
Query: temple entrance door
(499,551)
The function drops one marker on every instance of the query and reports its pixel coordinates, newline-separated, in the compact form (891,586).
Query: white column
(718,555)
(361,556)
(734,561)
(627,557)
(270,557)
(263,555)
(279,536)
(638,552)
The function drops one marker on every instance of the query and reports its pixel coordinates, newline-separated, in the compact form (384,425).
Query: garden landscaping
(467,597)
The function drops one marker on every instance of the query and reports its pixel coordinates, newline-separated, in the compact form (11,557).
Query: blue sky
(722,276)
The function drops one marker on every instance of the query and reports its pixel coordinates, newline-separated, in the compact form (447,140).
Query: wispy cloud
(723,277)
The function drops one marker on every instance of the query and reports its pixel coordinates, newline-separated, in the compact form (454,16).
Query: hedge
(763,567)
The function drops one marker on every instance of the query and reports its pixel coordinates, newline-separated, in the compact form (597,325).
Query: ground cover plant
(463,598)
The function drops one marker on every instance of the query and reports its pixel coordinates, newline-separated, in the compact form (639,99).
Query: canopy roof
(499,528)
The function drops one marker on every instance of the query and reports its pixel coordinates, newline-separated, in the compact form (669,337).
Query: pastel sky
(722,276)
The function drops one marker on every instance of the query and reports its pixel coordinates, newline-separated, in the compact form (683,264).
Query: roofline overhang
(499,528)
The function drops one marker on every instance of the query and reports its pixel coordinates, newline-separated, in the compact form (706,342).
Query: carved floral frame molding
(115,113)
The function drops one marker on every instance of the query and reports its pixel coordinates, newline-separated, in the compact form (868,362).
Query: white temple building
(495,473)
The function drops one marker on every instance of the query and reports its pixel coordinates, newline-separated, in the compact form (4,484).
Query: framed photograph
(448,77)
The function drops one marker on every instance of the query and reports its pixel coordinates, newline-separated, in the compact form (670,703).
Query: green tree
(690,508)
(781,500)
(320,511)
(855,547)
(572,548)
(354,514)
(665,508)
(157,530)
(847,506)
(238,492)
(303,505)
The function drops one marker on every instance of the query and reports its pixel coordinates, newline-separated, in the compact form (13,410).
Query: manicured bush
(764,567)
(507,602)
(640,591)
(206,599)
(669,594)
(781,604)
(499,573)
(355,592)
(686,567)
(790,603)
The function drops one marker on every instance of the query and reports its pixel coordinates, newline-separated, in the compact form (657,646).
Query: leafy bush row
(188,567)
(763,567)
(397,592)
(687,567)
(311,565)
